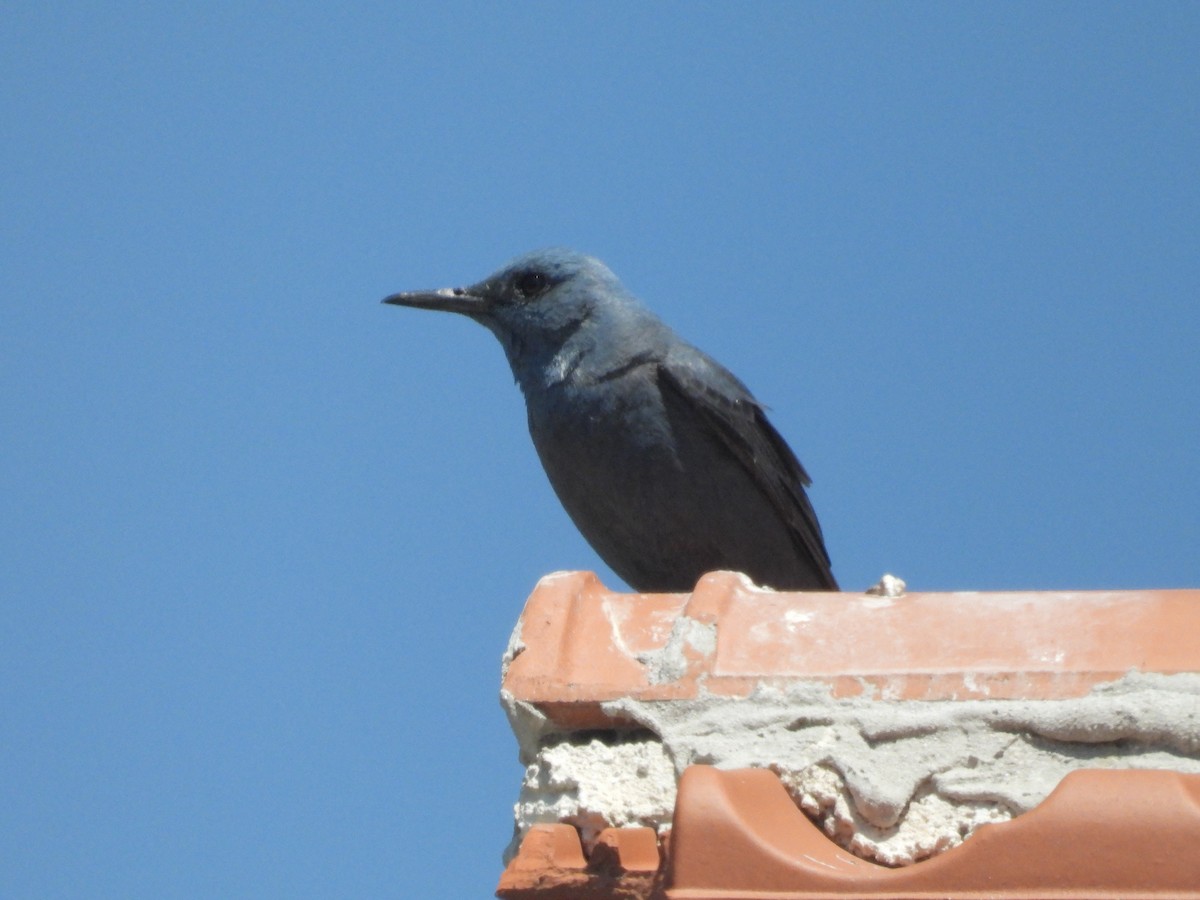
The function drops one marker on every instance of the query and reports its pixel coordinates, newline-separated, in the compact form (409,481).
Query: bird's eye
(530,284)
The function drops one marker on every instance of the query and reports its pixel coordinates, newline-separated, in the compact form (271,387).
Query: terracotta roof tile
(588,659)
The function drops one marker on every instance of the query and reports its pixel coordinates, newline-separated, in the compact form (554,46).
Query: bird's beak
(459,300)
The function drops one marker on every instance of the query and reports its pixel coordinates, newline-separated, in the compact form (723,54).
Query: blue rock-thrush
(663,459)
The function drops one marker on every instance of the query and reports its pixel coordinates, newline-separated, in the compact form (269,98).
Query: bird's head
(536,303)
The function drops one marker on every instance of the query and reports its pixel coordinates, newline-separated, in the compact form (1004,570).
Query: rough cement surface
(891,781)
(593,784)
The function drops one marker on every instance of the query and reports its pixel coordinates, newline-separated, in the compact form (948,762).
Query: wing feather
(740,423)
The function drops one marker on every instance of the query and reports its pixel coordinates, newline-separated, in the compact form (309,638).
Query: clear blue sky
(263,539)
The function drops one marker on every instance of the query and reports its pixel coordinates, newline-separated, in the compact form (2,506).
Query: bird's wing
(739,422)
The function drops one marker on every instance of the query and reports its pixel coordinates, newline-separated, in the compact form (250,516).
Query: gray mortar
(892,781)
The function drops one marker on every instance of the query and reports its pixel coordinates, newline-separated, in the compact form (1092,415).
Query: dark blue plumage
(663,459)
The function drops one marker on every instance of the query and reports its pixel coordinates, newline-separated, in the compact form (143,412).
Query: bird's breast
(595,421)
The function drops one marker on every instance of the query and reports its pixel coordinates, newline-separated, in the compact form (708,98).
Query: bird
(662,458)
